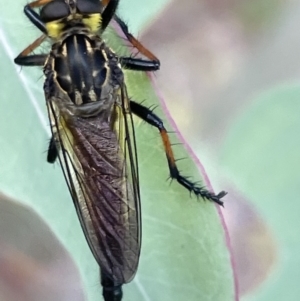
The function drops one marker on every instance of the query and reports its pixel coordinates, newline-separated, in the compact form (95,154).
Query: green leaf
(184,251)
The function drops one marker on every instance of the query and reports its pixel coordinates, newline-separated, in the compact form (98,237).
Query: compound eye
(54,10)
(87,7)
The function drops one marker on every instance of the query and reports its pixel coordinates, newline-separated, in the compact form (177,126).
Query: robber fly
(92,128)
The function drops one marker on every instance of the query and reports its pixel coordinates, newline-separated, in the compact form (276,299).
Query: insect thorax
(85,69)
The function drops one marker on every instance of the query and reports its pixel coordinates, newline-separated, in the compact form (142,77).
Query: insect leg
(38,3)
(152,64)
(139,64)
(134,42)
(108,12)
(111,291)
(33,16)
(52,151)
(148,116)
(24,59)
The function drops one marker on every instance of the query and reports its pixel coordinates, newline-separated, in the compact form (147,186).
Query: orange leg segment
(105,2)
(148,116)
(134,42)
(32,46)
(38,3)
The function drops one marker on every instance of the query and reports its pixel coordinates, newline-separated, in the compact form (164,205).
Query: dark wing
(99,163)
